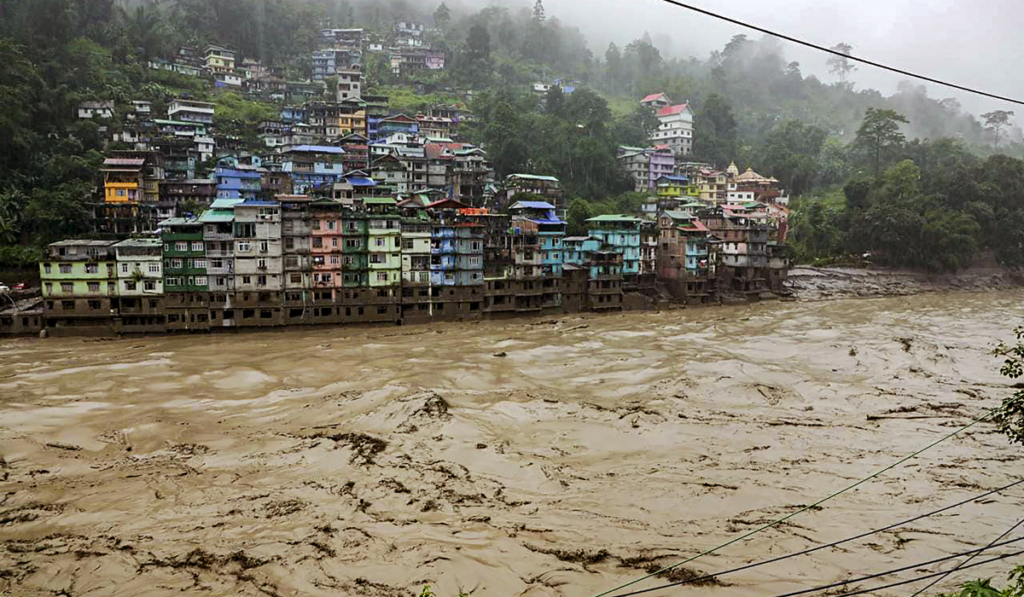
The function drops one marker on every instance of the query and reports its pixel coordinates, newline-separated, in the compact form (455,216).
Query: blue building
(237,181)
(313,166)
(549,229)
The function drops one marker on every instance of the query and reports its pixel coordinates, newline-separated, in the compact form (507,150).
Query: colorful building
(79,285)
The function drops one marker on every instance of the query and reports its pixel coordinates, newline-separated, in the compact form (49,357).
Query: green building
(384,242)
(184,255)
(79,286)
(355,263)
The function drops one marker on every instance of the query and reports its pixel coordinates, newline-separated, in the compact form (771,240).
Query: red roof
(695,226)
(672,110)
(447,204)
(652,97)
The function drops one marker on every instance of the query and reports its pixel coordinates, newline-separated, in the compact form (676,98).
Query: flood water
(530,457)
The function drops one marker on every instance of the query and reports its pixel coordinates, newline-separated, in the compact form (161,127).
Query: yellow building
(123,180)
(352,118)
(220,60)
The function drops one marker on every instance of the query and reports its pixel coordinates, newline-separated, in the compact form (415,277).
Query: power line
(828,545)
(804,508)
(868,577)
(831,51)
(963,564)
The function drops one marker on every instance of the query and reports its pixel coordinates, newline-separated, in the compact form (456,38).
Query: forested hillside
(751,105)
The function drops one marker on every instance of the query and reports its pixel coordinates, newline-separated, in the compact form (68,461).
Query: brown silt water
(532,457)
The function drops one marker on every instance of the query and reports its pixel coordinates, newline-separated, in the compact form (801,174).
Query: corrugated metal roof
(532,205)
(316,149)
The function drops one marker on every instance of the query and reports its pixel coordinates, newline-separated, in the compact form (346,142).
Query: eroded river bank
(372,461)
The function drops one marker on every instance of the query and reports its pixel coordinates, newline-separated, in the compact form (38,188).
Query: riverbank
(823,283)
(545,458)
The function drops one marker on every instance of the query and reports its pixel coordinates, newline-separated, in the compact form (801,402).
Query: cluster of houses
(343,257)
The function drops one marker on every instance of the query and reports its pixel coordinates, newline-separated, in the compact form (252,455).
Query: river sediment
(532,457)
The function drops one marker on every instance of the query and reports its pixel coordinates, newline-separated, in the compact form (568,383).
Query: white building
(96,109)
(350,83)
(140,267)
(675,130)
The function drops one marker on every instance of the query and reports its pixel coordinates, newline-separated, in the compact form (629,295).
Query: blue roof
(533,205)
(675,178)
(318,149)
(258,202)
(545,221)
(359,181)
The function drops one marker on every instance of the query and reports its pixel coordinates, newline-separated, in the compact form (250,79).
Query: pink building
(326,250)
(434,60)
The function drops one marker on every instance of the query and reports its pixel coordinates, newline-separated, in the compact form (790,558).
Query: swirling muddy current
(535,457)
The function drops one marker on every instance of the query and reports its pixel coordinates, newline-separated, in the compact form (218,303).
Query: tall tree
(841,66)
(995,121)
(538,11)
(442,16)
(879,134)
(145,30)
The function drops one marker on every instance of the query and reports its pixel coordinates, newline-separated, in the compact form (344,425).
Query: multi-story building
(742,250)
(218,236)
(356,156)
(79,286)
(376,111)
(351,118)
(185,278)
(355,266)
(627,236)
(312,166)
(456,262)
(140,286)
(180,197)
(470,175)
(547,187)
(219,60)
(416,233)
(536,249)
(191,111)
(675,129)
(326,250)
(237,181)
(296,250)
(350,83)
(384,245)
(602,273)
(393,174)
(684,264)
(399,123)
(646,165)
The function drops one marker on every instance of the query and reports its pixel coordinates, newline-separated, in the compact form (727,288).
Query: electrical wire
(804,508)
(870,576)
(837,53)
(912,580)
(965,562)
(833,544)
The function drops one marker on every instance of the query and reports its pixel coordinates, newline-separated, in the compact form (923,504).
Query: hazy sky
(977,44)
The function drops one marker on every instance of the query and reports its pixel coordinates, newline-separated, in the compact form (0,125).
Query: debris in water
(64,446)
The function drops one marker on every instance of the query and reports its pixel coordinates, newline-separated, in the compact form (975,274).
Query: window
(65,268)
(380,241)
(289,243)
(94,305)
(407,244)
(330,224)
(326,277)
(316,224)
(335,259)
(67,305)
(176,263)
(94,286)
(46,266)
(246,280)
(295,278)
(152,303)
(264,246)
(261,280)
(318,242)
(200,281)
(243,247)
(382,276)
(216,263)
(149,286)
(381,310)
(172,282)
(350,243)
(376,258)
(67,287)
(261,263)
(154,268)
(197,245)
(124,268)
(334,242)
(49,288)
(199,263)
(181,246)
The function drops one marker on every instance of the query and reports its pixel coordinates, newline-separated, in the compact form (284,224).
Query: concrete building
(350,83)
(186,285)
(79,285)
(675,129)
(218,236)
(191,111)
(646,165)
(140,286)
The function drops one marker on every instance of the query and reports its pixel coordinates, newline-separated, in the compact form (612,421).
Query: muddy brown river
(532,457)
